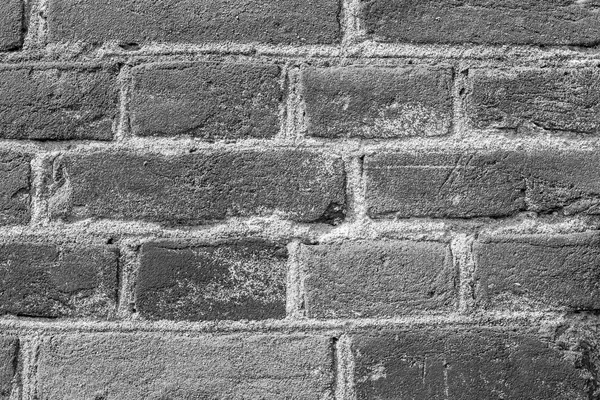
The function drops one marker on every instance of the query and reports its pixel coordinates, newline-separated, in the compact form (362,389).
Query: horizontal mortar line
(366,48)
(495,319)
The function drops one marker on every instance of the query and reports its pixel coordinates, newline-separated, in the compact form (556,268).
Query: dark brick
(197,187)
(134,21)
(378,102)
(9,353)
(532,22)
(538,271)
(466,364)
(208,100)
(62,102)
(377,278)
(536,100)
(239,281)
(434,184)
(11,24)
(15,198)
(43,280)
(163,366)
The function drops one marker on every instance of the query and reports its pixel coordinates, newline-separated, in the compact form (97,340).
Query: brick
(435,184)
(11,24)
(482,184)
(538,271)
(467,364)
(374,102)
(246,280)
(44,280)
(160,366)
(132,21)
(209,100)
(15,175)
(9,354)
(377,278)
(197,187)
(526,22)
(58,103)
(529,100)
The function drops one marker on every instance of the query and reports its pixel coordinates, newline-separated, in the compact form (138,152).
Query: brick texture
(58,102)
(229,282)
(208,100)
(15,197)
(9,353)
(11,24)
(43,280)
(195,187)
(378,102)
(528,22)
(130,21)
(377,278)
(160,366)
(465,364)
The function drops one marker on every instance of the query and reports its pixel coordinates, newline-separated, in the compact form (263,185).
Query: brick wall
(284,199)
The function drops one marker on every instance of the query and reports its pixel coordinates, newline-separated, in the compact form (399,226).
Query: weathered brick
(467,364)
(209,100)
(9,353)
(532,22)
(133,21)
(529,100)
(58,102)
(480,184)
(197,187)
(377,278)
(15,173)
(44,280)
(11,24)
(538,271)
(245,280)
(120,366)
(374,102)
(436,184)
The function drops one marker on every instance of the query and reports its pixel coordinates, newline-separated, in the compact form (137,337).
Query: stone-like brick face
(535,100)
(226,282)
(377,278)
(139,367)
(192,188)
(378,102)
(188,21)
(9,353)
(42,280)
(528,22)
(15,197)
(538,272)
(465,364)
(207,100)
(58,103)
(11,24)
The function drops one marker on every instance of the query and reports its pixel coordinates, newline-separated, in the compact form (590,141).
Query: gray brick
(11,24)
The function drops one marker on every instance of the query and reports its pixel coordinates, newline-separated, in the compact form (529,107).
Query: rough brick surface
(483,21)
(231,282)
(377,278)
(15,175)
(378,102)
(11,24)
(540,272)
(141,367)
(9,351)
(530,100)
(480,184)
(134,21)
(61,102)
(42,280)
(208,100)
(466,364)
(192,188)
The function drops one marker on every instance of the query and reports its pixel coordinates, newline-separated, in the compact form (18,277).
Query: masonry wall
(282,199)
